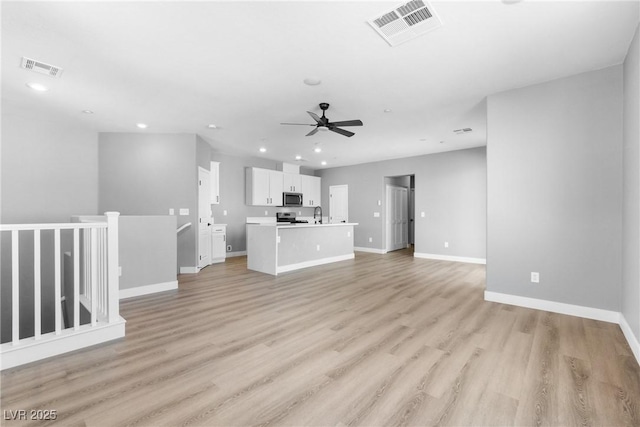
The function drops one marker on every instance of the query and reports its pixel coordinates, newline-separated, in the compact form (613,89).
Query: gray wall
(450,188)
(554,161)
(631,191)
(48,173)
(147,249)
(147,174)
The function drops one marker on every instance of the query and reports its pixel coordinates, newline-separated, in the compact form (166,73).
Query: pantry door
(338,204)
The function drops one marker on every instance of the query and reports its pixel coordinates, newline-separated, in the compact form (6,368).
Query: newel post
(113,267)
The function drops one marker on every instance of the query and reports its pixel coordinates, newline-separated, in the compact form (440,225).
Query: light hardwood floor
(381,340)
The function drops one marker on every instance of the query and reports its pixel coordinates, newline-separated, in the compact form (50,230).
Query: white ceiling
(179,66)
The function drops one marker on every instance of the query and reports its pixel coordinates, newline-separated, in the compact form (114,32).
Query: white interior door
(397,217)
(338,204)
(204,218)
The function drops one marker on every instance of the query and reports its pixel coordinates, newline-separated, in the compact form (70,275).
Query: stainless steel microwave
(292,199)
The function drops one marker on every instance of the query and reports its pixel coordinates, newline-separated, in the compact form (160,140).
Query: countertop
(302,225)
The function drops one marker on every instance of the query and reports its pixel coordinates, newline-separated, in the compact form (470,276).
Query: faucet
(317,212)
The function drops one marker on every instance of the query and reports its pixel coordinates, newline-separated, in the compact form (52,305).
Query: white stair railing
(95,285)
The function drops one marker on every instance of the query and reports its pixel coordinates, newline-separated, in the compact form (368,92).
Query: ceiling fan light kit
(323,123)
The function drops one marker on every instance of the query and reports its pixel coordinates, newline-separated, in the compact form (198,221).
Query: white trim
(49,345)
(148,289)
(555,307)
(450,258)
(313,263)
(371,250)
(234,254)
(631,338)
(189,270)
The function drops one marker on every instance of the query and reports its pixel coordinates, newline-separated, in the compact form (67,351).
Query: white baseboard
(234,254)
(450,258)
(370,250)
(554,307)
(50,344)
(631,338)
(313,263)
(189,270)
(148,289)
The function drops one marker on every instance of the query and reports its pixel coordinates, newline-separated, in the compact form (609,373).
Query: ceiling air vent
(406,22)
(463,130)
(41,67)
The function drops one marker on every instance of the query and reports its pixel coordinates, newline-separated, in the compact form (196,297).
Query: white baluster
(37,286)
(76,279)
(94,274)
(57,286)
(15,287)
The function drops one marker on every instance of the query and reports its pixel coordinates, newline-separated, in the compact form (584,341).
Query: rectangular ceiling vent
(41,67)
(463,130)
(406,22)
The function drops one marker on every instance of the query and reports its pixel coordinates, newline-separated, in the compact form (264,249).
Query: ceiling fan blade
(298,124)
(348,123)
(315,117)
(313,132)
(341,131)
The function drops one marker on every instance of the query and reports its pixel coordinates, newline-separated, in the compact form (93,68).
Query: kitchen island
(275,248)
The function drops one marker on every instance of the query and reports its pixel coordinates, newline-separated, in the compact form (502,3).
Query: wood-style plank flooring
(382,340)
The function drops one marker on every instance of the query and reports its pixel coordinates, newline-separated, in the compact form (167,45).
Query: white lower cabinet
(218,243)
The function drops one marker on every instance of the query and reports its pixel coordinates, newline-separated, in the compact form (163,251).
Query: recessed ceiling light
(298,157)
(87,111)
(38,87)
(263,150)
(317,149)
(323,163)
(387,110)
(312,81)
(141,125)
(212,126)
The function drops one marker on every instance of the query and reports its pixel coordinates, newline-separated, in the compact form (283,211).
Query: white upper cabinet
(292,182)
(214,180)
(263,187)
(311,190)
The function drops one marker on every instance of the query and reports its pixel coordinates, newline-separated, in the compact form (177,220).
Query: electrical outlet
(535,277)
(229,248)
(172,211)
(266,213)
(446,244)
(422,214)
(348,234)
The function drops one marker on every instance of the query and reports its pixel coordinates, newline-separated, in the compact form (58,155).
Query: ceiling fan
(323,122)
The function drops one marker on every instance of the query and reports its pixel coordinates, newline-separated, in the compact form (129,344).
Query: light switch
(376,214)
(224,212)
(184,211)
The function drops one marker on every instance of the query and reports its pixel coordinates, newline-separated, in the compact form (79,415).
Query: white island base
(274,248)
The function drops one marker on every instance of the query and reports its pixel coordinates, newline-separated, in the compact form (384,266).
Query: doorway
(399,216)
(204,219)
